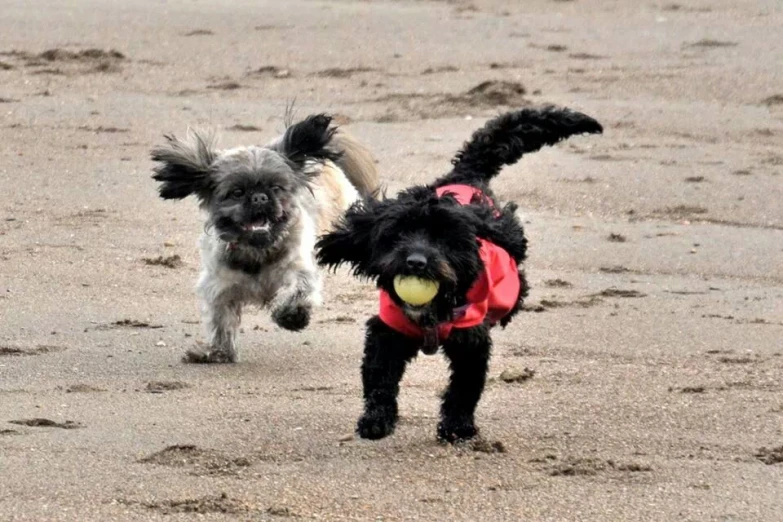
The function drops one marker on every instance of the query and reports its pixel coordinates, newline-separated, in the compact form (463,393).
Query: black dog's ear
(351,240)
(185,166)
(308,139)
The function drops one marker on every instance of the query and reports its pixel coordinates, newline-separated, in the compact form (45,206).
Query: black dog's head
(422,235)
(250,193)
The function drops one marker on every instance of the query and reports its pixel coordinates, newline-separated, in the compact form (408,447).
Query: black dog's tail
(505,139)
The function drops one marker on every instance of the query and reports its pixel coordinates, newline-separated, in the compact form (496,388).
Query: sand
(650,355)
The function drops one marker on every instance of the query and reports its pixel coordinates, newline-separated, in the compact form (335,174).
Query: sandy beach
(651,348)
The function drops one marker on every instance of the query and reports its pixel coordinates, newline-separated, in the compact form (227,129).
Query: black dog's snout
(416,262)
(259,198)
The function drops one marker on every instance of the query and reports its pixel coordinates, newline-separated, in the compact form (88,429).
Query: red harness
(491,297)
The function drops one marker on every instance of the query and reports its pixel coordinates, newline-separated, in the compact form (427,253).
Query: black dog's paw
(292,318)
(456,432)
(376,425)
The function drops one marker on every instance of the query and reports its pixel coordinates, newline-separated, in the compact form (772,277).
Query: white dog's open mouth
(257,226)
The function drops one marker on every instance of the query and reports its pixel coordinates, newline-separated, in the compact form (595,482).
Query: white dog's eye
(277,189)
(237,193)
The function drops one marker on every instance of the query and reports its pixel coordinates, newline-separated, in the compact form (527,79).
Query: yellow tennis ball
(414,290)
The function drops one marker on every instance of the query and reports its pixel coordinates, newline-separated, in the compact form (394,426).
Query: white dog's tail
(357,163)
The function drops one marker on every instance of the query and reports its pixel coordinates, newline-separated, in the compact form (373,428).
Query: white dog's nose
(259,198)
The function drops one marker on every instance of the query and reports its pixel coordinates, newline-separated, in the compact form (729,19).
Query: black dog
(451,232)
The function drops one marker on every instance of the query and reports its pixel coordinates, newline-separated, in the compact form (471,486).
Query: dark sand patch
(269,71)
(514,375)
(47,423)
(173,261)
(681,211)
(131,323)
(105,66)
(618,292)
(584,302)
(164,386)
(586,56)
(100,129)
(51,70)
(736,360)
(339,72)
(59,61)
(61,55)
(708,43)
(486,95)
(199,32)
(83,388)
(200,461)
(685,9)
(225,86)
(575,467)
(492,93)
(482,445)
(6,350)
(240,127)
(770,456)
(557,283)
(775,99)
(689,389)
(441,69)
(202,505)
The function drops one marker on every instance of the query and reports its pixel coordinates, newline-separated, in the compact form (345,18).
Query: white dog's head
(250,193)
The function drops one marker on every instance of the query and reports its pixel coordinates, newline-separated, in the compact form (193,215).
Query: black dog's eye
(277,189)
(237,193)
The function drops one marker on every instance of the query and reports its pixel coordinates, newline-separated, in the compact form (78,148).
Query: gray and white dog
(265,208)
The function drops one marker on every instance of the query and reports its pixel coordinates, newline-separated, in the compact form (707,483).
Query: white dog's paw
(295,317)
(201,354)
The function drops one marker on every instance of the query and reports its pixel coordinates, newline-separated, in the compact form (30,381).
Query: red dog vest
(490,298)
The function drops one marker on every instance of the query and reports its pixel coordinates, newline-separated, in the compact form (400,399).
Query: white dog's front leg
(294,301)
(221,313)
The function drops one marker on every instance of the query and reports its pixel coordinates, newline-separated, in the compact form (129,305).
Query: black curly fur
(505,139)
(377,237)
(468,353)
(382,370)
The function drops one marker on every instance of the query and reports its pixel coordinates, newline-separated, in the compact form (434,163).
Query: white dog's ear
(308,139)
(185,166)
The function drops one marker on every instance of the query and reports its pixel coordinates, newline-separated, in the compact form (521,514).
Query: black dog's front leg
(468,352)
(386,354)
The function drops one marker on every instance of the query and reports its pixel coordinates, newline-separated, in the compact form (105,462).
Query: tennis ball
(414,290)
